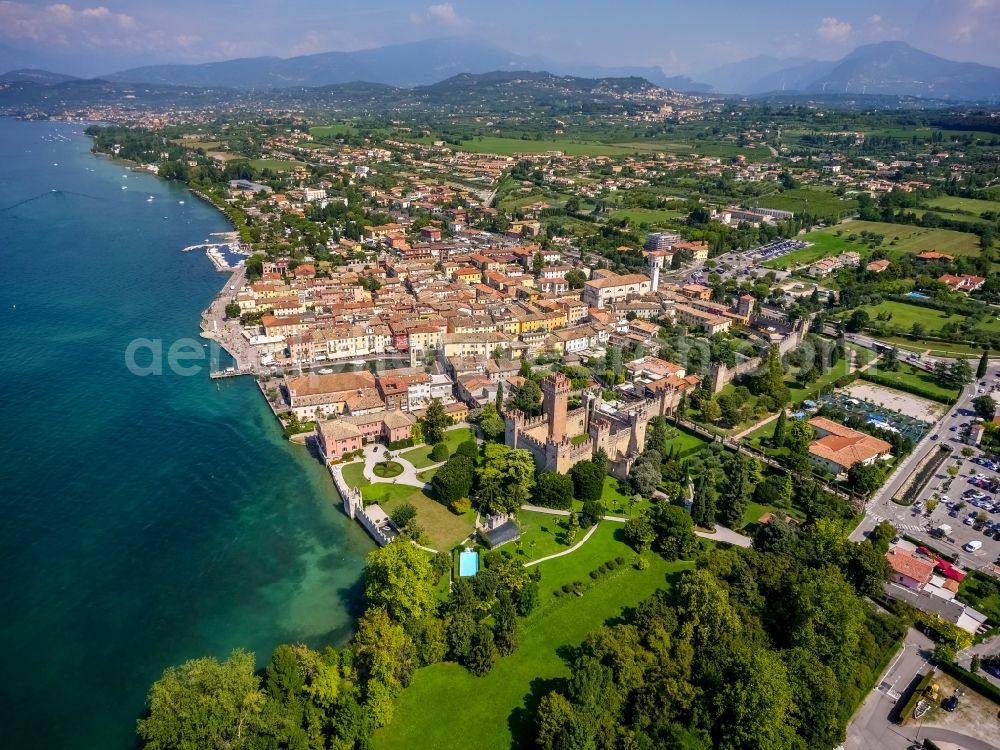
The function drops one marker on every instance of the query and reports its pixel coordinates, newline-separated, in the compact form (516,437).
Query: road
(871,728)
(880,507)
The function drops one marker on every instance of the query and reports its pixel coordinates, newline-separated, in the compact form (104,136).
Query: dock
(229,373)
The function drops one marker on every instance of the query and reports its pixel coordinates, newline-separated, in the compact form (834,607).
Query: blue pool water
(917,295)
(468,563)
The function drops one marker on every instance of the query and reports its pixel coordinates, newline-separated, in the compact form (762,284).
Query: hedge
(399,444)
(930,745)
(974,681)
(916,390)
(907,710)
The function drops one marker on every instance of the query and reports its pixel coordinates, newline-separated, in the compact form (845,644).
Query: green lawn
(354,474)
(275,165)
(421,456)
(909,375)
(387,470)
(541,535)
(443,528)
(905,315)
(811,200)
(801,392)
(936,348)
(972,206)
(510,146)
(327,131)
(912,240)
(647,215)
(497,711)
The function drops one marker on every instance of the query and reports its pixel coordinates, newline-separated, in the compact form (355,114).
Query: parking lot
(967,503)
(776,249)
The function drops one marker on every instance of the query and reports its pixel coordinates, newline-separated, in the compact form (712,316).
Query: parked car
(992,669)
(974,546)
(950,704)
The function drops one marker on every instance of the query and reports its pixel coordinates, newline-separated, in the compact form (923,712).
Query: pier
(229,373)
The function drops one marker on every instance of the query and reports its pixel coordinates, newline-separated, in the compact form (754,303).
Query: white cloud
(834,30)
(443,14)
(61,24)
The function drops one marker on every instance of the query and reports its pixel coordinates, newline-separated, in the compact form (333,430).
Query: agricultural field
(328,131)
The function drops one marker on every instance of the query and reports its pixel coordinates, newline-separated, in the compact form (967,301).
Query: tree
(527,398)
(553,490)
(499,399)
(984,363)
(491,423)
(985,406)
(755,709)
(505,479)
(865,478)
(537,263)
(205,703)
(710,410)
(882,535)
(593,512)
(435,421)
(891,359)
(469,449)
(742,475)
(778,437)
(383,659)
(675,538)
(575,279)
(460,633)
(588,481)
(918,330)
(858,321)
(554,716)
(483,654)
(572,527)
(403,514)
(398,578)
(233,310)
(639,533)
(454,479)
(705,503)
(645,478)
(505,625)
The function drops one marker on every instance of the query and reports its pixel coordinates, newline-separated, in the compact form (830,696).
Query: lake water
(143,520)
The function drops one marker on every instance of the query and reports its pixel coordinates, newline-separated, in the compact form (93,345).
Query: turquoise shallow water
(143,520)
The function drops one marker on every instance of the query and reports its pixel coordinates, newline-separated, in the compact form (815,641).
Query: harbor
(227,255)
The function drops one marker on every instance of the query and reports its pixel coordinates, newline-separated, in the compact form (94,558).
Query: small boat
(922,707)
(149,199)
(124,187)
(180,203)
(325,371)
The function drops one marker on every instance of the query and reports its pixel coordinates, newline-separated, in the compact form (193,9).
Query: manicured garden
(443,528)
(420,457)
(500,708)
(387,469)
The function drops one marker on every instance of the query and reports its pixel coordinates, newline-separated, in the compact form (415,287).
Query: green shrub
(460,506)
(440,452)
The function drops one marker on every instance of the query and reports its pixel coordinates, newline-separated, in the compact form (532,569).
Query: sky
(679,36)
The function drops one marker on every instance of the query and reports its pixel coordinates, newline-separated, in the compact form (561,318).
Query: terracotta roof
(845,446)
(906,564)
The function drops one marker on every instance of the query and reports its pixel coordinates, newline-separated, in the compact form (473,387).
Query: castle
(560,438)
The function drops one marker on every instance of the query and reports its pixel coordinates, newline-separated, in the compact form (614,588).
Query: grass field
(912,240)
(904,316)
(816,202)
(754,512)
(541,535)
(421,456)
(354,474)
(498,710)
(801,392)
(936,348)
(511,146)
(647,215)
(702,148)
(275,165)
(328,131)
(443,528)
(973,206)
(909,375)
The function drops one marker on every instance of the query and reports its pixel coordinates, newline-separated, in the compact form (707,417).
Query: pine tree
(778,440)
(984,363)
(500,398)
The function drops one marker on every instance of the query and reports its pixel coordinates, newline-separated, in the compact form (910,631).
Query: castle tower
(555,397)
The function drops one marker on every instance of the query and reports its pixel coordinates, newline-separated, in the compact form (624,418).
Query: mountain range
(885,68)
(413,64)
(892,68)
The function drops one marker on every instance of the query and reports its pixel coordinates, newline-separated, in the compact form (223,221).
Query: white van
(973,546)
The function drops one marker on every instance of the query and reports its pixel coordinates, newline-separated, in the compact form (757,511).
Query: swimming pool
(917,295)
(468,563)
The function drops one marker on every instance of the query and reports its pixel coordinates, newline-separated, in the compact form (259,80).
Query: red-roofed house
(908,570)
